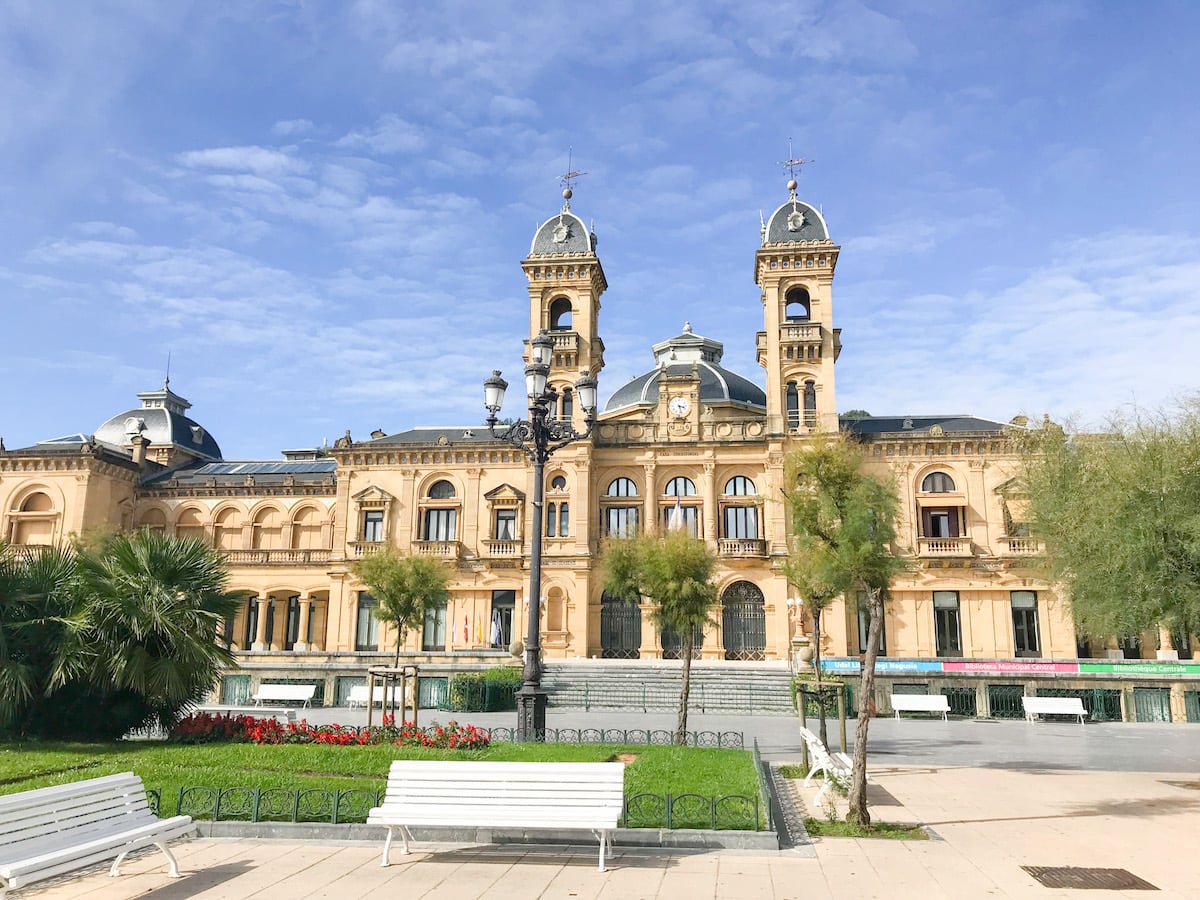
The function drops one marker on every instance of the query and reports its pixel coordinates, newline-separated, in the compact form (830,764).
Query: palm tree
(142,645)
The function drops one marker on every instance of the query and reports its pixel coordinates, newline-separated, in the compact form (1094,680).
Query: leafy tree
(1119,515)
(843,532)
(856,414)
(405,587)
(807,570)
(123,635)
(675,571)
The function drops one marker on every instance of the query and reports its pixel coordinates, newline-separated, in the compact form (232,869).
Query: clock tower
(565,281)
(799,345)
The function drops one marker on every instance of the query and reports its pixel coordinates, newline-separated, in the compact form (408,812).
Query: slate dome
(162,420)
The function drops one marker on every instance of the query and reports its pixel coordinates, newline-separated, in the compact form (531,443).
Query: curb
(682,839)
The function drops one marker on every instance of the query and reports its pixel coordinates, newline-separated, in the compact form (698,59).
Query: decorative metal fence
(1004,701)
(733,812)
(724,740)
(1101,704)
(962,700)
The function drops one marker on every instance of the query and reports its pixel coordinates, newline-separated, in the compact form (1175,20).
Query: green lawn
(168,767)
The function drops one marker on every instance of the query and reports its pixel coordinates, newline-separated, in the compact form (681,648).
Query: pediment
(372,494)
(505,492)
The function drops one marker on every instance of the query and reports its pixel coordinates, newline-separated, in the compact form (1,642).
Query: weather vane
(568,180)
(792,163)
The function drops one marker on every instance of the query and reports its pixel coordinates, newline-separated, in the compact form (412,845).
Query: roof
(920,425)
(677,357)
(795,221)
(264,472)
(562,234)
(468,434)
(162,420)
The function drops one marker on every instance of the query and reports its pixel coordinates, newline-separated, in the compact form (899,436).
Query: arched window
(810,404)
(227,533)
(679,486)
(558,512)
(266,532)
(937,483)
(798,305)
(744,621)
(622,487)
(740,486)
(560,314)
(153,520)
(558,483)
(620,519)
(306,529)
(740,518)
(793,405)
(189,525)
(441,490)
(33,522)
(37,502)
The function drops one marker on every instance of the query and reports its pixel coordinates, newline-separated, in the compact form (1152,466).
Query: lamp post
(538,436)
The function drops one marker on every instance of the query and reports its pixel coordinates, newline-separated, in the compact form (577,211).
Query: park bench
(53,830)
(284,714)
(930,703)
(1051,706)
(547,796)
(834,766)
(358,696)
(284,693)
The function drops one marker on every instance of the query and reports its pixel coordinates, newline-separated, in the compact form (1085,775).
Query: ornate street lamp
(538,436)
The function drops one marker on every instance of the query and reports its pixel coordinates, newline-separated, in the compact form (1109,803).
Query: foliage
(855,414)
(675,571)
(114,636)
(168,767)
(896,831)
(404,586)
(203,728)
(827,689)
(1119,514)
(491,690)
(843,531)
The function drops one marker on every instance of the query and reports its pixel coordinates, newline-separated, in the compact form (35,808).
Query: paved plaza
(995,796)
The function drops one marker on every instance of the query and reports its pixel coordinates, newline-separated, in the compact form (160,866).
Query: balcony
(942,547)
(1021,546)
(278,557)
(439,549)
(359,549)
(505,549)
(742,548)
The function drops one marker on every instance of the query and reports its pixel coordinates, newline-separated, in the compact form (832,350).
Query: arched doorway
(620,628)
(744,622)
(672,644)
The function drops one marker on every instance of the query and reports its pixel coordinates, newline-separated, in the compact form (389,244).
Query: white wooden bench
(50,831)
(217,709)
(551,796)
(931,703)
(284,693)
(1051,706)
(358,695)
(834,767)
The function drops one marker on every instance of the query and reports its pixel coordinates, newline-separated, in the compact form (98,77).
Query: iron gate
(620,628)
(744,622)
(672,646)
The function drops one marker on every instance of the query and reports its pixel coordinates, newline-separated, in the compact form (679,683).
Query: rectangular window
(621,521)
(251,622)
(551,520)
(503,604)
(441,524)
(433,635)
(366,632)
(864,623)
(373,525)
(690,515)
(1025,623)
(741,522)
(293,623)
(946,624)
(564,520)
(506,524)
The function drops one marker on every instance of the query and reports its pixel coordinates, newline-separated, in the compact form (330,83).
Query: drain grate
(1093,879)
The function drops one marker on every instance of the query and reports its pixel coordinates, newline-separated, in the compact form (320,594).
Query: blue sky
(319,208)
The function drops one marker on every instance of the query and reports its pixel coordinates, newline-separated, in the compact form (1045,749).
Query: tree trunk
(687,639)
(858,813)
(817,666)
(399,642)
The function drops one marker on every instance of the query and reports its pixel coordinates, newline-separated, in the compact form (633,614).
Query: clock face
(679,406)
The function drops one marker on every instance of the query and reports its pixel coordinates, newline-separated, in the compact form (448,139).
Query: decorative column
(260,630)
(710,532)
(301,644)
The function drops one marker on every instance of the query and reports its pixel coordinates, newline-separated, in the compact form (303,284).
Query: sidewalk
(987,824)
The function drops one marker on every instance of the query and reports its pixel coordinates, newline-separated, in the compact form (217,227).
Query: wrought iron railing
(730,812)
(764,788)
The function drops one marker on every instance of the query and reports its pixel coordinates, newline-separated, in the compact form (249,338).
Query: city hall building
(688,439)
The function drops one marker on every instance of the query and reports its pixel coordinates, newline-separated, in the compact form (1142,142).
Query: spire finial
(792,164)
(567,180)
(167,377)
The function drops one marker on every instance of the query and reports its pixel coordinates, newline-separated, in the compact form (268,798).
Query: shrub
(207,728)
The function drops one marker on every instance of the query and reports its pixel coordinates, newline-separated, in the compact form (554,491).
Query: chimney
(140,444)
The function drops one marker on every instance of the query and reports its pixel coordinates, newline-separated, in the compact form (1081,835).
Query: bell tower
(799,345)
(565,283)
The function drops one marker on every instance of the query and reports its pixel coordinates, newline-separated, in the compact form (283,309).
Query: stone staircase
(653,686)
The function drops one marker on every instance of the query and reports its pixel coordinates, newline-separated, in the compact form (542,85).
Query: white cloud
(390,134)
(289,127)
(259,160)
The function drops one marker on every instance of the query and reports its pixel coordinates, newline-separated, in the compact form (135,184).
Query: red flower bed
(206,728)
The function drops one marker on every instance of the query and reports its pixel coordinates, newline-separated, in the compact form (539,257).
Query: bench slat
(91,844)
(58,793)
(31,827)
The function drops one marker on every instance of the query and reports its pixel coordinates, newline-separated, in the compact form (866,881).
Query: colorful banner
(1141,668)
(883,666)
(1006,665)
